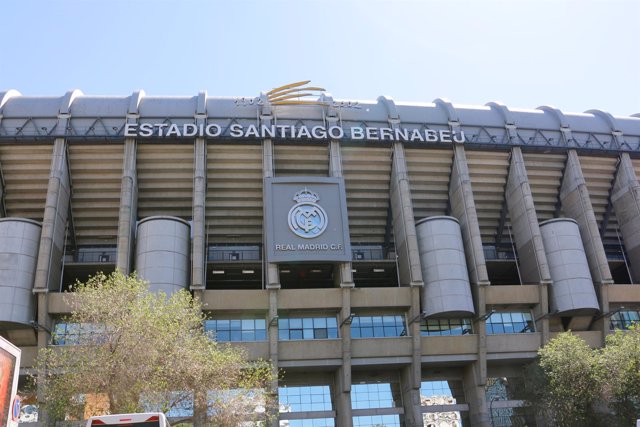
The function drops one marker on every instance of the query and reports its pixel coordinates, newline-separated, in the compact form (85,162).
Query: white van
(147,419)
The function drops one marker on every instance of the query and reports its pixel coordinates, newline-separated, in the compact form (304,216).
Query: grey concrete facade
(387,194)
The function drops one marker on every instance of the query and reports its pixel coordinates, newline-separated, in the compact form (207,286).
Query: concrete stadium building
(399,262)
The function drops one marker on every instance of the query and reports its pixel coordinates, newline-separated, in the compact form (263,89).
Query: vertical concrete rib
(198,250)
(128,208)
(464,209)
(626,204)
(404,227)
(345,276)
(534,268)
(576,204)
(128,213)
(49,266)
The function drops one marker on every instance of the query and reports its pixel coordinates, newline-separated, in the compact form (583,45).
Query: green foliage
(574,385)
(149,351)
(620,360)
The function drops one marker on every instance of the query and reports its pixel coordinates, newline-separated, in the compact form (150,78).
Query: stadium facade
(399,262)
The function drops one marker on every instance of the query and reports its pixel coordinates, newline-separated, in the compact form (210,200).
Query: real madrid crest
(307,219)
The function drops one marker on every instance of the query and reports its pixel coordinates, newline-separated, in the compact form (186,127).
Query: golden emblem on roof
(295,94)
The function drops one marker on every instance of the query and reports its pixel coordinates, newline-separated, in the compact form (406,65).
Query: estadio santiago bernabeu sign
(306,220)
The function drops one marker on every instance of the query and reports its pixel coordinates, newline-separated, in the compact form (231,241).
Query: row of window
(314,328)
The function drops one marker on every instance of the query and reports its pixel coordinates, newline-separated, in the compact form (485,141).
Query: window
(375,395)
(432,327)
(304,398)
(234,330)
(310,422)
(378,326)
(377,421)
(624,319)
(307,328)
(512,322)
(450,390)
(433,394)
(77,333)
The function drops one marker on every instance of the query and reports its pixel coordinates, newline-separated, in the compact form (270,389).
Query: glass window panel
(295,323)
(320,322)
(283,323)
(295,334)
(223,336)
(236,335)
(221,324)
(235,325)
(247,324)
(248,335)
(307,334)
(307,323)
(333,333)
(332,322)
(261,324)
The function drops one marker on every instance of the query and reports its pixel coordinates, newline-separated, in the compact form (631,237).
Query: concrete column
(198,240)
(344,277)
(404,228)
(51,249)
(626,204)
(534,268)
(475,393)
(128,208)
(343,374)
(272,273)
(463,207)
(576,204)
(54,222)
(272,326)
(410,399)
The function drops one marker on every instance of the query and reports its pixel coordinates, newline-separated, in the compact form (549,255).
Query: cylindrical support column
(19,241)
(162,253)
(446,291)
(572,291)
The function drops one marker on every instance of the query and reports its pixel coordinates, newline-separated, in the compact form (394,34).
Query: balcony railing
(231,254)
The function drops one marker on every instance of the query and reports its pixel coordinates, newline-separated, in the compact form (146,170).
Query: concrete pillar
(475,393)
(344,277)
(534,268)
(463,207)
(272,326)
(576,204)
(272,273)
(54,222)
(404,228)
(128,208)
(198,239)
(410,399)
(342,393)
(626,204)
(51,248)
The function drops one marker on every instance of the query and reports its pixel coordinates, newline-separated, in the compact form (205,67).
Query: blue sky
(576,55)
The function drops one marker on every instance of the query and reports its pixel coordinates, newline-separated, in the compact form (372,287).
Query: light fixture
(348,319)
(285,271)
(218,271)
(378,270)
(316,271)
(248,271)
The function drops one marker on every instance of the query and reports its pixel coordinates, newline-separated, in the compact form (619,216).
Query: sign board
(306,220)
(9,372)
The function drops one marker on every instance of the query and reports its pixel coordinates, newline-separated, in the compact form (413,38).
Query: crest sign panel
(306,220)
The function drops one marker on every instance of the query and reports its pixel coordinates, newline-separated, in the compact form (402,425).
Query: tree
(620,359)
(139,350)
(567,382)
